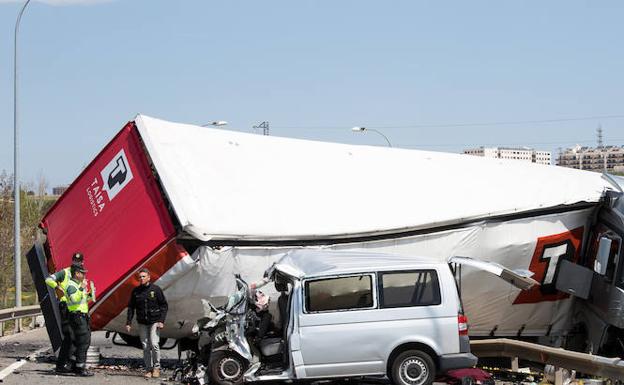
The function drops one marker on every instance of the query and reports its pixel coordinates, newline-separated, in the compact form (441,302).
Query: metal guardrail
(561,358)
(17,313)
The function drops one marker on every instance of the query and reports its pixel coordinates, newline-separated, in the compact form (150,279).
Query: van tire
(413,367)
(226,368)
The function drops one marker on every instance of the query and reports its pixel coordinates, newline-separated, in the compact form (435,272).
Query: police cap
(78,257)
(78,267)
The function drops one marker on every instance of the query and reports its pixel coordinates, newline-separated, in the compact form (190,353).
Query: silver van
(351,314)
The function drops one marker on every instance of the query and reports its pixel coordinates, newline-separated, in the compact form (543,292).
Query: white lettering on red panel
(115,176)
(96,199)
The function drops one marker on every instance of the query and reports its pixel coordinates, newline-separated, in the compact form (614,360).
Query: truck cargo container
(195,205)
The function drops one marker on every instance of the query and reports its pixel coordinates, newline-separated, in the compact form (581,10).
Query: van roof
(314,263)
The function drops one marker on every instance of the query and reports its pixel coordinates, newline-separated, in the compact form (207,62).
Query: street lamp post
(16,184)
(216,123)
(362,129)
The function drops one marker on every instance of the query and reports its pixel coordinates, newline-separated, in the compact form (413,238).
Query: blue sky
(415,70)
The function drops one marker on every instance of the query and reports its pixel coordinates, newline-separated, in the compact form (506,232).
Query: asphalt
(119,365)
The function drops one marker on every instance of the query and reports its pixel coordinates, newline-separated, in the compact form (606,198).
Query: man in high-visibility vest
(78,297)
(59,282)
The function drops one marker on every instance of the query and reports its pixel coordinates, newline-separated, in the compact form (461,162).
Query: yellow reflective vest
(53,282)
(77,298)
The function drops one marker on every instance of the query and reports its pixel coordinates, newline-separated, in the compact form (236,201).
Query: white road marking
(18,364)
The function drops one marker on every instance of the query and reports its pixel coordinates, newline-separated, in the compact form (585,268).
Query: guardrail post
(33,321)
(558,376)
(1,329)
(515,364)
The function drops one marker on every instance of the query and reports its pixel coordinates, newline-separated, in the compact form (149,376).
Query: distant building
(519,153)
(601,158)
(59,190)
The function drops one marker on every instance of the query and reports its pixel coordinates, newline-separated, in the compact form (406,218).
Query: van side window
(414,288)
(343,293)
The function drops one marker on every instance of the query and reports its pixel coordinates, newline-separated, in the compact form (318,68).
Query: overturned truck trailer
(195,204)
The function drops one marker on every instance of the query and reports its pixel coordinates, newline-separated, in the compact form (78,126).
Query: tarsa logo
(549,252)
(115,176)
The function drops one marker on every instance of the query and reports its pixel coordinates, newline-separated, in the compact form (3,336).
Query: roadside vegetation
(33,205)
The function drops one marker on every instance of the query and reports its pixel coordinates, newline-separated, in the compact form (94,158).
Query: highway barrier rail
(16,314)
(581,362)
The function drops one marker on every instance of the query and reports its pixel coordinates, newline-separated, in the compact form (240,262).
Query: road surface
(119,365)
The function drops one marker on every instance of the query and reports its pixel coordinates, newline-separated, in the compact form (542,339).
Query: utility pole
(603,150)
(599,134)
(16,184)
(264,126)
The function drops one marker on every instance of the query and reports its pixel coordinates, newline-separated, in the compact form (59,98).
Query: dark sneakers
(82,372)
(62,370)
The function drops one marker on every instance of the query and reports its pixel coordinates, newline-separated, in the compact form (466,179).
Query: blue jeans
(150,337)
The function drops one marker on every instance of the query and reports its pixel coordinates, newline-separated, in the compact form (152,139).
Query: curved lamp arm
(362,129)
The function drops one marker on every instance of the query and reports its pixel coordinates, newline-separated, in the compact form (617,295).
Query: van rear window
(343,293)
(414,288)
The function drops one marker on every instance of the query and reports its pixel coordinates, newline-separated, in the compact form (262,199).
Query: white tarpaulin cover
(231,185)
(489,302)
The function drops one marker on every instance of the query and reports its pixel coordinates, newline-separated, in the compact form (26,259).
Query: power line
(442,125)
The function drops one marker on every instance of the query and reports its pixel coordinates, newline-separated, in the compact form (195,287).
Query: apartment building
(59,190)
(602,158)
(519,153)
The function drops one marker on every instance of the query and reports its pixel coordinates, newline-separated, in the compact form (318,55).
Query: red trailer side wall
(113,213)
(111,306)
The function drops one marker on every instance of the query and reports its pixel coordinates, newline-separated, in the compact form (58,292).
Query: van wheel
(413,367)
(226,368)
(467,381)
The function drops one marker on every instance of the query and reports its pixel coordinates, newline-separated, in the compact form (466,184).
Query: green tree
(32,208)
(6,237)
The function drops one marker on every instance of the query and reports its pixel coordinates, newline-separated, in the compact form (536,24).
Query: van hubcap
(229,368)
(413,371)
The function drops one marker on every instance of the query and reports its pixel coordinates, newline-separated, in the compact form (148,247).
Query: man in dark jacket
(150,305)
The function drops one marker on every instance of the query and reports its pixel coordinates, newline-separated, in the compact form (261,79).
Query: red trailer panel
(111,306)
(114,213)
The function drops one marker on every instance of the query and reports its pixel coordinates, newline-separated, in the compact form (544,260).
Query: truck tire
(577,339)
(133,341)
(226,368)
(413,367)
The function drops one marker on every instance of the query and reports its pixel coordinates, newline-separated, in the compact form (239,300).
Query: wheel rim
(413,371)
(230,369)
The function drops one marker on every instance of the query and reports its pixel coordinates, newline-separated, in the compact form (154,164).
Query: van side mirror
(602,257)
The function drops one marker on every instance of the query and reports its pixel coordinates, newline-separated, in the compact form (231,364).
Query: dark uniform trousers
(67,346)
(81,330)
